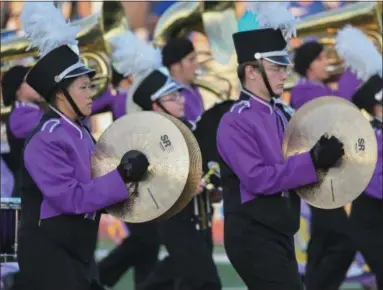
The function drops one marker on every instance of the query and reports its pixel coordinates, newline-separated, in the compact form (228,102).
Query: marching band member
(311,62)
(190,263)
(262,211)
(366,214)
(362,57)
(140,249)
(24,117)
(61,203)
(330,249)
(180,57)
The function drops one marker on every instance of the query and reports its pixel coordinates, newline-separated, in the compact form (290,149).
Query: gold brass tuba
(217,78)
(367,16)
(93,38)
(184,17)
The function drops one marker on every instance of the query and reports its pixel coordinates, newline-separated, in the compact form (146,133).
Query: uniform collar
(19,104)
(257,102)
(71,126)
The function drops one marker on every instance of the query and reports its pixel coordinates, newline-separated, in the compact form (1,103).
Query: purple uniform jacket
(375,187)
(24,118)
(193,103)
(58,158)
(307,90)
(111,102)
(249,140)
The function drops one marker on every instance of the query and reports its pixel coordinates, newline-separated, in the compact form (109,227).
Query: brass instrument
(93,38)
(217,77)
(367,16)
(205,16)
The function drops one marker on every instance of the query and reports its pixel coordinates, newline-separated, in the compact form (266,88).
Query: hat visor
(169,87)
(280,60)
(80,71)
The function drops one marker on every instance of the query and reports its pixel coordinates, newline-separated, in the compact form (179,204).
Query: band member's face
(318,68)
(277,75)
(174,103)
(187,67)
(80,91)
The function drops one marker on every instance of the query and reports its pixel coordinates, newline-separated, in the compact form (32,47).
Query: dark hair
(64,84)
(305,55)
(241,70)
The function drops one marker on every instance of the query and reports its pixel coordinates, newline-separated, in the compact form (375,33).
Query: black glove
(133,166)
(326,152)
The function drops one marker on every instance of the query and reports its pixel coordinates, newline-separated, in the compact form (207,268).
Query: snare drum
(9,218)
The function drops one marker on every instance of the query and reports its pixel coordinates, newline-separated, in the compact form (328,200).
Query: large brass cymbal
(195,172)
(167,151)
(338,117)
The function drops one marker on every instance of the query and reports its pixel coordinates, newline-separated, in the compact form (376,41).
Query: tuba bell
(96,30)
(216,76)
(324,26)
(184,17)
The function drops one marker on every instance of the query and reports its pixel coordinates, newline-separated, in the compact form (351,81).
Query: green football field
(229,277)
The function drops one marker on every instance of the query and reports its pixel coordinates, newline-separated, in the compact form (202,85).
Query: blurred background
(143,15)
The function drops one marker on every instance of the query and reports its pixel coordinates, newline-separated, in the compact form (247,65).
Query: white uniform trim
(68,120)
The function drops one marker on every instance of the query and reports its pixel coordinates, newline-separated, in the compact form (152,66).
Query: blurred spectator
(159,7)
(333,4)
(305,8)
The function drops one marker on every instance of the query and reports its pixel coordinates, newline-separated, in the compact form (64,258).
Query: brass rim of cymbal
(195,172)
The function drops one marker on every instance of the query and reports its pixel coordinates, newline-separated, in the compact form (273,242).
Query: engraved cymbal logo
(360,145)
(166,144)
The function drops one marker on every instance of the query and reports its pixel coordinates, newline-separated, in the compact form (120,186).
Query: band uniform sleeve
(241,153)
(102,103)
(301,95)
(48,162)
(347,85)
(23,121)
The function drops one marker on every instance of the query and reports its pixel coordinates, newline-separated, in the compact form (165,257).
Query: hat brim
(169,87)
(280,60)
(80,71)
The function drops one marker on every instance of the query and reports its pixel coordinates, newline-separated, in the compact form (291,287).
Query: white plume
(46,28)
(359,53)
(275,15)
(130,54)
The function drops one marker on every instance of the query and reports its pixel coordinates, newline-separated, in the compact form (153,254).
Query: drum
(9,218)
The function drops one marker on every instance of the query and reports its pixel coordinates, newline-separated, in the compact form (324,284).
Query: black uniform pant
(367,231)
(263,258)
(44,265)
(139,250)
(190,264)
(330,251)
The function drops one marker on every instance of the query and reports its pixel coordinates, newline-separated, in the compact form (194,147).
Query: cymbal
(168,154)
(195,172)
(340,118)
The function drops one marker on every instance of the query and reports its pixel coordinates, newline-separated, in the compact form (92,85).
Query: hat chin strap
(162,107)
(73,103)
(264,76)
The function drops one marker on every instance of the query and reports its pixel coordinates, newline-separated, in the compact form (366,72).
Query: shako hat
(151,80)
(263,32)
(47,30)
